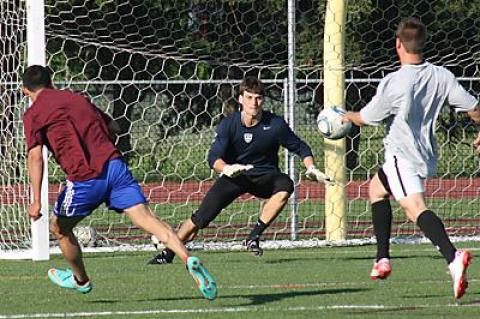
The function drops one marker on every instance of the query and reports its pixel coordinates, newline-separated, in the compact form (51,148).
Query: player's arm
(462,101)
(474,114)
(112,125)
(219,147)
(219,165)
(308,161)
(353,117)
(375,111)
(314,174)
(113,129)
(288,139)
(35,141)
(35,170)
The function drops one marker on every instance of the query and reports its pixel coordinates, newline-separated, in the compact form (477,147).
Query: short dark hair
(36,77)
(251,84)
(413,34)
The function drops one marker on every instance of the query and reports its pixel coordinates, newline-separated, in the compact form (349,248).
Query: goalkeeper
(245,155)
(77,133)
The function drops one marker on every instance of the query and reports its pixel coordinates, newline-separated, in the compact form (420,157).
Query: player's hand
(315,174)
(476,143)
(34,211)
(353,117)
(235,169)
(346,117)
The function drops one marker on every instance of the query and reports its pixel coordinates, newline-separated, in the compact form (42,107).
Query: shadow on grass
(273,297)
(254,299)
(336,257)
(347,258)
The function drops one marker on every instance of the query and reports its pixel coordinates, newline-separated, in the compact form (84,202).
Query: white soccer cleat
(381,269)
(458,270)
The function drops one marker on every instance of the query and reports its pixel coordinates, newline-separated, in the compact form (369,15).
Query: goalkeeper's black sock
(168,254)
(258,230)
(434,229)
(382,227)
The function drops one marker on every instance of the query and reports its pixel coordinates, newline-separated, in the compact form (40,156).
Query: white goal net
(167,72)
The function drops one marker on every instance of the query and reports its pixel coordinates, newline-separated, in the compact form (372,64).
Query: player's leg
(187,232)
(407,188)
(381,213)
(126,196)
(77,201)
(278,187)
(398,178)
(62,228)
(409,194)
(434,229)
(220,195)
(431,225)
(142,216)
(382,224)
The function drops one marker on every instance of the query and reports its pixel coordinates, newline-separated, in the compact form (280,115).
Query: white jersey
(410,100)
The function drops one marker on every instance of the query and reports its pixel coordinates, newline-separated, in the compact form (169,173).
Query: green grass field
(313,283)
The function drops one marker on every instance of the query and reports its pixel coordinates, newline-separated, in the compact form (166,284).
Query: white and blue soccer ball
(330,124)
(86,236)
(157,243)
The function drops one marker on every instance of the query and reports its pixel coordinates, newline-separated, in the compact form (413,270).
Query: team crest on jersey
(247,137)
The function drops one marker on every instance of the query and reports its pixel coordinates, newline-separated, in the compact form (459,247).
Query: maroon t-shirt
(73,129)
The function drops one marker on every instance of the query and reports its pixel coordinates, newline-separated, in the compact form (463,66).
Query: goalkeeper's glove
(234,170)
(315,174)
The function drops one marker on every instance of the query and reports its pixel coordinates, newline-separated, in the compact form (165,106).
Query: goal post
(36,53)
(335,150)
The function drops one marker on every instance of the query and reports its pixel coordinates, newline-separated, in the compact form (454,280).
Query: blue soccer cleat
(64,279)
(205,281)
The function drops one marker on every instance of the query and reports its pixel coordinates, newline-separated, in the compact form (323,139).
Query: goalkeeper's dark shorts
(226,190)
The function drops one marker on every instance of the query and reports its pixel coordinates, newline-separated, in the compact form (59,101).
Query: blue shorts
(116,187)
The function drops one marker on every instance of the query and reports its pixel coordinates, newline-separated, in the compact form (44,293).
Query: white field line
(238,246)
(227,310)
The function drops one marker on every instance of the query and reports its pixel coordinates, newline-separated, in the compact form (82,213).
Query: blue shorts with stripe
(116,187)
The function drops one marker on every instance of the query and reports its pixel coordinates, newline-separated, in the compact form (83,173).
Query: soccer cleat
(205,282)
(165,257)
(458,270)
(381,269)
(253,245)
(65,279)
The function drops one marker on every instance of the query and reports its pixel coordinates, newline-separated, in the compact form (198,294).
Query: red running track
(172,192)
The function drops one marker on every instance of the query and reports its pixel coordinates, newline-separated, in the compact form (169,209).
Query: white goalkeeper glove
(315,174)
(234,170)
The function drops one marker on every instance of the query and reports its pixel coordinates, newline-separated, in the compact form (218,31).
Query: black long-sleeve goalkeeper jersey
(257,145)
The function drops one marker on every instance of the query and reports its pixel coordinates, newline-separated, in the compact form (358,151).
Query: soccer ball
(86,236)
(330,124)
(157,243)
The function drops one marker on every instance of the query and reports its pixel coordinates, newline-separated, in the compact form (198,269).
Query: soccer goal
(167,72)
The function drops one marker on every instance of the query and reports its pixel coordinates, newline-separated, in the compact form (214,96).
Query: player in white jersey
(409,101)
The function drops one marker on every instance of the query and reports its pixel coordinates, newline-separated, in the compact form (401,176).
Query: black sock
(80,283)
(382,227)
(258,230)
(434,229)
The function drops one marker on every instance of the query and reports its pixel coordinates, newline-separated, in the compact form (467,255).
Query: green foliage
(226,39)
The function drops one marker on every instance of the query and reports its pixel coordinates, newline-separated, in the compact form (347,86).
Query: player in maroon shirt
(78,135)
